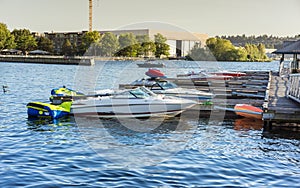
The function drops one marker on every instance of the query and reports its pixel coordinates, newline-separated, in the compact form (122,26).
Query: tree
(6,39)
(75,49)
(220,48)
(88,41)
(67,48)
(268,41)
(223,50)
(238,54)
(147,47)
(252,52)
(128,45)
(24,40)
(109,44)
(262,51)
(199,53)
(45,44)
(160,45)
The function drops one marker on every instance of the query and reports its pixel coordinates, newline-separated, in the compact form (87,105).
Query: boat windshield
(167,85)
(141,92)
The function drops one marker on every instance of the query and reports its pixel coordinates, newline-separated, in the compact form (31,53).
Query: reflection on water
(47,124)
(152,142)
(248,124)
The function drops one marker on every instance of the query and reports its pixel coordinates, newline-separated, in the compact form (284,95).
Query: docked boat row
(161,86)
(138,102)
(150,97)
(204,75)
(129,103)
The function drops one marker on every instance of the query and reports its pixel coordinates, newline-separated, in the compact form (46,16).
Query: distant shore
(76,60)
(43,59)
(67,60)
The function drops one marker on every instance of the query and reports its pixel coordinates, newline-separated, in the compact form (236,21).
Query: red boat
(248,111)
(155,73)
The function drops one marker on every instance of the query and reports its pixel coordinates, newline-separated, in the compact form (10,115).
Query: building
(59,39)
(180,42)
(290,48)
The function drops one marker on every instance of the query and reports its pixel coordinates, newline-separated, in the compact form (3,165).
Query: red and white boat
(221,75)
(248,111)
(207,76)
(229,73)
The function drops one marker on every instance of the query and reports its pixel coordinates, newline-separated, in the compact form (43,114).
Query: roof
(292,48)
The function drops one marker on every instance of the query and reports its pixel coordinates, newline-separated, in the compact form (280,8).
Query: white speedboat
(160,86)
(138,102)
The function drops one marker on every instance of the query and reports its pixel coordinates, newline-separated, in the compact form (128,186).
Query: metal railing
(294,87)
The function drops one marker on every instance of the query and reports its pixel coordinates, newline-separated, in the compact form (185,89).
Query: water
(176,152)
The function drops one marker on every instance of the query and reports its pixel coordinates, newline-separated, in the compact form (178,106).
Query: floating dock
(280,106)
(42,59)
(264,89)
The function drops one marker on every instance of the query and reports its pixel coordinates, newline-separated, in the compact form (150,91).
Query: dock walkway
(278,108)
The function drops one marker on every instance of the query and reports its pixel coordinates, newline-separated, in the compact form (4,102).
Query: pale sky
(213,17)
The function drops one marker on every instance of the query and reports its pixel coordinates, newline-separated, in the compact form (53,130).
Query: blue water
(176,152)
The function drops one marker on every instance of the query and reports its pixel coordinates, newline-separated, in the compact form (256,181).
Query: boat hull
(45,110)
(130,108)
(248,111)
(212,77)
(233,74)
(150,65)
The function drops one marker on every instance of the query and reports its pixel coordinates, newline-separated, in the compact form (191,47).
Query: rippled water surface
(175,152)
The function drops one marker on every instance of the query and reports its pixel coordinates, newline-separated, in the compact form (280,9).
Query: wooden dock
(279,108)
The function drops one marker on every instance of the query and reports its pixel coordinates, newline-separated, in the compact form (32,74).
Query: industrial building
(180,42)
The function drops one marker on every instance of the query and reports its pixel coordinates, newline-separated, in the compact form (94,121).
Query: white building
(180,42)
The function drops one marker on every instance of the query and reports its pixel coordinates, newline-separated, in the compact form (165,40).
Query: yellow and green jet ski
(46,110)
(60,106)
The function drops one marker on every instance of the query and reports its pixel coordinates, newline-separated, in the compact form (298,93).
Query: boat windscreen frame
(163,86)
(141,93)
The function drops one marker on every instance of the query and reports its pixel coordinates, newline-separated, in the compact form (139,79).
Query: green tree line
(269,41)
(223,50)
(92,43)
(126,45)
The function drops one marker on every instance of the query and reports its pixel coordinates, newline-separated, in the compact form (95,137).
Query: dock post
(267,125)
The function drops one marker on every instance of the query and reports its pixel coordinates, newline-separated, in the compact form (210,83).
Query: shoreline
(63,60)
(85,60)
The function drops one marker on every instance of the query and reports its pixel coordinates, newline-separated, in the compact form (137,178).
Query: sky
(212,17)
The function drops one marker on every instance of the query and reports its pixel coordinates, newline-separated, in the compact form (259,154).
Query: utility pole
(90,15)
